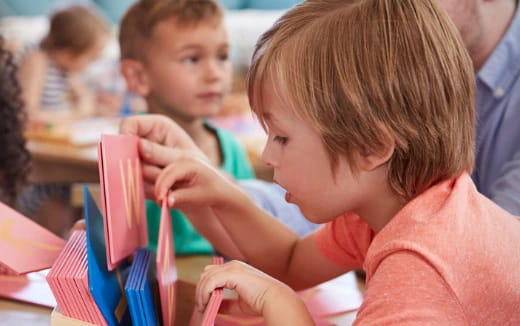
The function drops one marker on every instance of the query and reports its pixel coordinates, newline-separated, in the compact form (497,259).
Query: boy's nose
(268,157)
(213,71)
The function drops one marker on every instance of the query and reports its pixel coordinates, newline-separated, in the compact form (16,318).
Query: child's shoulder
(35,58)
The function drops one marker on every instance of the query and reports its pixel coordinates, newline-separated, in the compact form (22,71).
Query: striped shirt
(56,90)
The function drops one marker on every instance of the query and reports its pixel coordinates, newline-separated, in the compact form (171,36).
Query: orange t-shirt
(449,257)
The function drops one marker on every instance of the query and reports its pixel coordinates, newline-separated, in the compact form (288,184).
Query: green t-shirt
(187,240)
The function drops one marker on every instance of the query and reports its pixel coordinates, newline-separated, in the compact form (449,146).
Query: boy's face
(187,69)
(302,166)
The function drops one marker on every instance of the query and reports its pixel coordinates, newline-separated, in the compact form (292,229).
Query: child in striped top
(49,73)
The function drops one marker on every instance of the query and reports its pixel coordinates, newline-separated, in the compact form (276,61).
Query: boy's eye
(281,140)
(223,57)
(191,59)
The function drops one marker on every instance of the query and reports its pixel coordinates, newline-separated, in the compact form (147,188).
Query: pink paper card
(30,288)
(25,246)
(211,311)
(166,268)
(122,195)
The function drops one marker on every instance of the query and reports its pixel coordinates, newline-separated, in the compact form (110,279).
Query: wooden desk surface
(63,163)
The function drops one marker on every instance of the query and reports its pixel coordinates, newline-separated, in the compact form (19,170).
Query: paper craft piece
(30,288)
(139,289)
(122,195)
(107,287)
(68,280)
(211,311)
(166,268)
(25,246)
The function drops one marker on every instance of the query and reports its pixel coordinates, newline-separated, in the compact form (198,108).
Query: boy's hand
(192,181)
(158,129)
(161,139)
(256,290)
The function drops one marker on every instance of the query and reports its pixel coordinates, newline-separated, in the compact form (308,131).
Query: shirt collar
(503,65)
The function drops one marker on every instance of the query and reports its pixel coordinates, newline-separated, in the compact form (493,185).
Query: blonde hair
(139,21)
(363,71)
(75,29)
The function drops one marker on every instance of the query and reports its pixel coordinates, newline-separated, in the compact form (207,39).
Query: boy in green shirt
(176,55)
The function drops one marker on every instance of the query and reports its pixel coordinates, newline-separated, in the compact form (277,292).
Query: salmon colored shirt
(449,257)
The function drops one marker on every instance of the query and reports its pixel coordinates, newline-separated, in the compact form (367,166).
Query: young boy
(176,55)
(370,113)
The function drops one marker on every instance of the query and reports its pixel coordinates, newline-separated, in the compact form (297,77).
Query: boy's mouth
(288,197)
(210,96)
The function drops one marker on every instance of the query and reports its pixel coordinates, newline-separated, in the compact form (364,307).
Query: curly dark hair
(14,156)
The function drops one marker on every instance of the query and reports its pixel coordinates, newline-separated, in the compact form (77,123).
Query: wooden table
(189,268)
(55,162)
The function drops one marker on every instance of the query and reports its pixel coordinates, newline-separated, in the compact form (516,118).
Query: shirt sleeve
(345,241)
(406,290)
(506,190)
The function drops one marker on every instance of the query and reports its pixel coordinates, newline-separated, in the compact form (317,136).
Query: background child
(49,74)
(53,91)
(370,113)
(14,159)
(176,55)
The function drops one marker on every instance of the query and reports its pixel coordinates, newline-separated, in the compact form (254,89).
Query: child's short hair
(76,29)
(139,21)
(360,71)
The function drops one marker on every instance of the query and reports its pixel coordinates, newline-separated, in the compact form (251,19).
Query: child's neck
(383,205)
(203,137)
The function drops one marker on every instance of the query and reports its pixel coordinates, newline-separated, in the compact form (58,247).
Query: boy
(370,113)
(176,55)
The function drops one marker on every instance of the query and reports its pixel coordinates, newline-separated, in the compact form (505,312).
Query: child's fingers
(172,175)
(210,279)
(150,173)
(156,154)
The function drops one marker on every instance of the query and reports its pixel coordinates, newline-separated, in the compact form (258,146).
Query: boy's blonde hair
(139,21)
(75,29)
(363,72)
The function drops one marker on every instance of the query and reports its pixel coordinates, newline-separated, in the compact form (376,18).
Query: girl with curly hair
(14,157)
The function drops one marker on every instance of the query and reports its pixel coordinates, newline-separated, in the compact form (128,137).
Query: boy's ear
(135,76)
(372,161)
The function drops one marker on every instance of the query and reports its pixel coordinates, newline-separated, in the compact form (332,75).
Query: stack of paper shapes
(68,280)
(140,287)
(107,287)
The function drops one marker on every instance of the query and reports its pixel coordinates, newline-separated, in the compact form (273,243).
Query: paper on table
(25,246)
